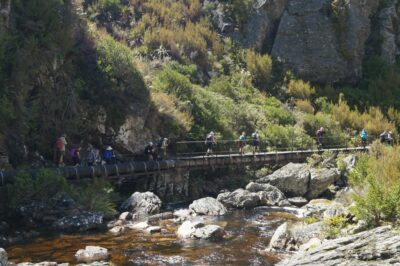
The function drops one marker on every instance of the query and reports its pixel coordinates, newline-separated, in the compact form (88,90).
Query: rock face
(82,222)
(208,206)
(292,179)
(320,180)
(3,257)
(197,230)
(324,43)
(240,198)
(144,204)
(376,247)
(91,254)
(389,22)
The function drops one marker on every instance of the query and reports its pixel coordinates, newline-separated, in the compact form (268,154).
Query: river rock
(207,206)
(153,229)
(292,179)
(43,263)
(82,222)
(269,195)
(125,216)
(145,204)
(91,254)
(280,238)
(3,257)
(298,201)
(197,230)
(325,209)
(239,198)
(138,226)
(379,246)
(321,179)
(118,230)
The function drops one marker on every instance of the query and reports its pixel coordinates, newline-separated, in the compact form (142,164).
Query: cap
(109,148)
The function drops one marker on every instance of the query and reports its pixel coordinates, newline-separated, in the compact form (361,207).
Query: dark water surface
(248,233)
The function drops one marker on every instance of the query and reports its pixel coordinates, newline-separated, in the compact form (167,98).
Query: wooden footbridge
(133,169)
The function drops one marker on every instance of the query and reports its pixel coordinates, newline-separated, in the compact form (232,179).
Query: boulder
(125,216)
(3,257)
(321,179)
(298,201)
(324,208)
(303,233)
(208,206)
(280,238)
(91,254)
(379,246)
(153,229)
(312,243)
(269,195)
(198,230)
(145,204)
(82,222)
(138,226)
(239,198)
(118,230)
(292,179)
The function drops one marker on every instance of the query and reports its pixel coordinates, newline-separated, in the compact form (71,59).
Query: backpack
(59,144)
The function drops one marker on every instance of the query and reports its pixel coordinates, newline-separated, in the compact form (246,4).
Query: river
(248,234)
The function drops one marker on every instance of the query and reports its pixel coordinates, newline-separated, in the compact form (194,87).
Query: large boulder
(82,222)
(379,246)
(143,204)
(324,208)
(321,179)
(292,179)
(323,43)
(279,238)
(198,230)
(208,206)
(3,257)
(269,195)
(240,198)
(91,254)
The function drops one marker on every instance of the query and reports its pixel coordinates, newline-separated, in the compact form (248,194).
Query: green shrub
(172,82)
(333,226)
(260,67)
(300,89)
(286,137)
(311,220)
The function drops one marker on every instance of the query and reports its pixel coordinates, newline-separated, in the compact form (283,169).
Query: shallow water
(248,233)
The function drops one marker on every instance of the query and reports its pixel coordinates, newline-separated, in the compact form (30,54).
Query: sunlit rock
(91,254)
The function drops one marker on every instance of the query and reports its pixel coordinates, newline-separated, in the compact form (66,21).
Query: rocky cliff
(323,41)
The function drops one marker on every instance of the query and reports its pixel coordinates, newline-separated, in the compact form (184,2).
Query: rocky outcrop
(91,254)
(320,180)
(3,257)
(375,247)
(292,179)
(142,204)
(198,230)
(208,206)
(240,198)
(323,40)
(82,222)
(389,30)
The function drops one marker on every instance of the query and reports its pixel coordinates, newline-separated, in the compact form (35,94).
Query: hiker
(242,142)
(256,142)
(59,151)
(383,137)
(75,154)
(364,137)
(389,138)
(108,155)
(320,134)
(162,145)
(210,143)
(149,151)
(91,156)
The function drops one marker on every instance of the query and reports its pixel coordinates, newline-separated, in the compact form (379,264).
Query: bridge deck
(132,169)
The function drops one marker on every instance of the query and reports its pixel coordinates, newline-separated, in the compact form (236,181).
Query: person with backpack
(108,155)
(210,143)
(242,141)
(59,150)
(383,137)
(91,156)
(149,151)
(256,142)
(320,134)
(162,145)
(75,154)
(364,137)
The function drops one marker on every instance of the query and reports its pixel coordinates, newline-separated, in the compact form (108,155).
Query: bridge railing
(292,143)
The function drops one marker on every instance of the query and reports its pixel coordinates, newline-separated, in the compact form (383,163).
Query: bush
(172,82)
(333,226)
(286,137)
(300,89)
(376,180)
(260,67)
(304,106)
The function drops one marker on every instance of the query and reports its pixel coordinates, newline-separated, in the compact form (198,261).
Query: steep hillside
(123,72)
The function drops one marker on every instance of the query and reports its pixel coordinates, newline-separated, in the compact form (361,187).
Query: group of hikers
(158,151)
(76,155)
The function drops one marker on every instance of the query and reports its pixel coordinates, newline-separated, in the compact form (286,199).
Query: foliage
(311,220)
(238,10)
(172,82)
(333,226)
(300,89)
(42,187)
(305,106)
(286,137)
(96,196)
(260,67)
(376,179)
